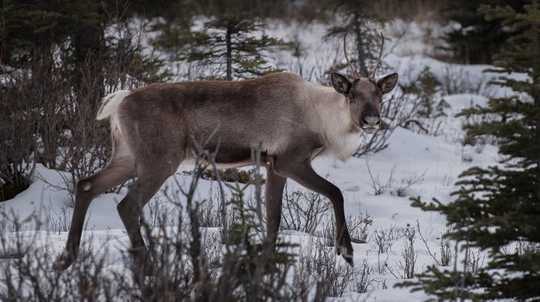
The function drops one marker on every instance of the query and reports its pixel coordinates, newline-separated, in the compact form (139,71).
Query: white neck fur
(332,119)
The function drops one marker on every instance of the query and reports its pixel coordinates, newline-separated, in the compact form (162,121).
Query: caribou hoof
(346,253)
(348,259)
(63,261)
(345,249)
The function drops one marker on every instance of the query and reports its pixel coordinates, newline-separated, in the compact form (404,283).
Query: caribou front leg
(303,173)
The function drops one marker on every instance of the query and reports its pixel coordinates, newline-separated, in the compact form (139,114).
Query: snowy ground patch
(378,185)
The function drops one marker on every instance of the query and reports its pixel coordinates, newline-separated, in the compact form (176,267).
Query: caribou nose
(372,120)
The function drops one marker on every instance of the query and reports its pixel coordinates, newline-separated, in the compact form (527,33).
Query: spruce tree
(359,24)
(476,40)
(473,40)
(232,44)
(231,41)
(426,87)
(497,209)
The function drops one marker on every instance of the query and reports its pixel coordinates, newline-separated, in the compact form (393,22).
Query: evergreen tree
(232,42)
(497,209)
(359,23)
(426,87)
(475,40)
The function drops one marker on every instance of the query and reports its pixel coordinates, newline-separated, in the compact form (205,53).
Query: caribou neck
(333,122)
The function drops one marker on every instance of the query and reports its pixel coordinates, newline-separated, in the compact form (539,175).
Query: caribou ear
(340,83)
(388,82)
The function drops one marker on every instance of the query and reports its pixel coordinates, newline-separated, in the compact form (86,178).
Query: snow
(421,165)
(387,295)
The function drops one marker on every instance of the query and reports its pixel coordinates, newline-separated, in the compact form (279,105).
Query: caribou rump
(291,121)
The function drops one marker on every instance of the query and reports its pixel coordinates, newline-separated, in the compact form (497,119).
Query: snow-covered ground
(412,165)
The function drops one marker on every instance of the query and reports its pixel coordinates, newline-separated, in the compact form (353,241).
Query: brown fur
(157,127)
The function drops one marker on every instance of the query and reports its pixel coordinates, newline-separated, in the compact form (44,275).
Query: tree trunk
(88,48)
(48,117)
(536,97)
(360,47)
(229,52)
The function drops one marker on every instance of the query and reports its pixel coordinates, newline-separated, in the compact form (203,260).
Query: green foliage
(425,87)
(498,208)
(243,223)
(472,40)
(232,41)
(232,44)
(475,40)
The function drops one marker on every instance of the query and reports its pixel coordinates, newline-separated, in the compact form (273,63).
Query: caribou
(291,121)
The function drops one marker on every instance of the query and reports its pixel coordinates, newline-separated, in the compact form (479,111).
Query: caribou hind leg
(149,180)
(116,172)
(273,197)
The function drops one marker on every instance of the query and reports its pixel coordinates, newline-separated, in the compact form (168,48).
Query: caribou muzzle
(371,122)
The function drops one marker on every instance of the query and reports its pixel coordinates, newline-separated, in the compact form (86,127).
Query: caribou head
(364,97)
(364,93)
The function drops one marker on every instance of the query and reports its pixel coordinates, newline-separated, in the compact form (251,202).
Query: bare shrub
(85,148)
(457,80)
(302,279)
(362,277)
(249,266)
(403,189)
(391,186)
(18,124)
(303,211)
(473,259)
(329,232)
(49,104)
(32,278)
(209,215)
(384,238)
(445,251)
(12,242)
(318,269)
(377,186)
(357,225)
(408,254)
(183,262)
